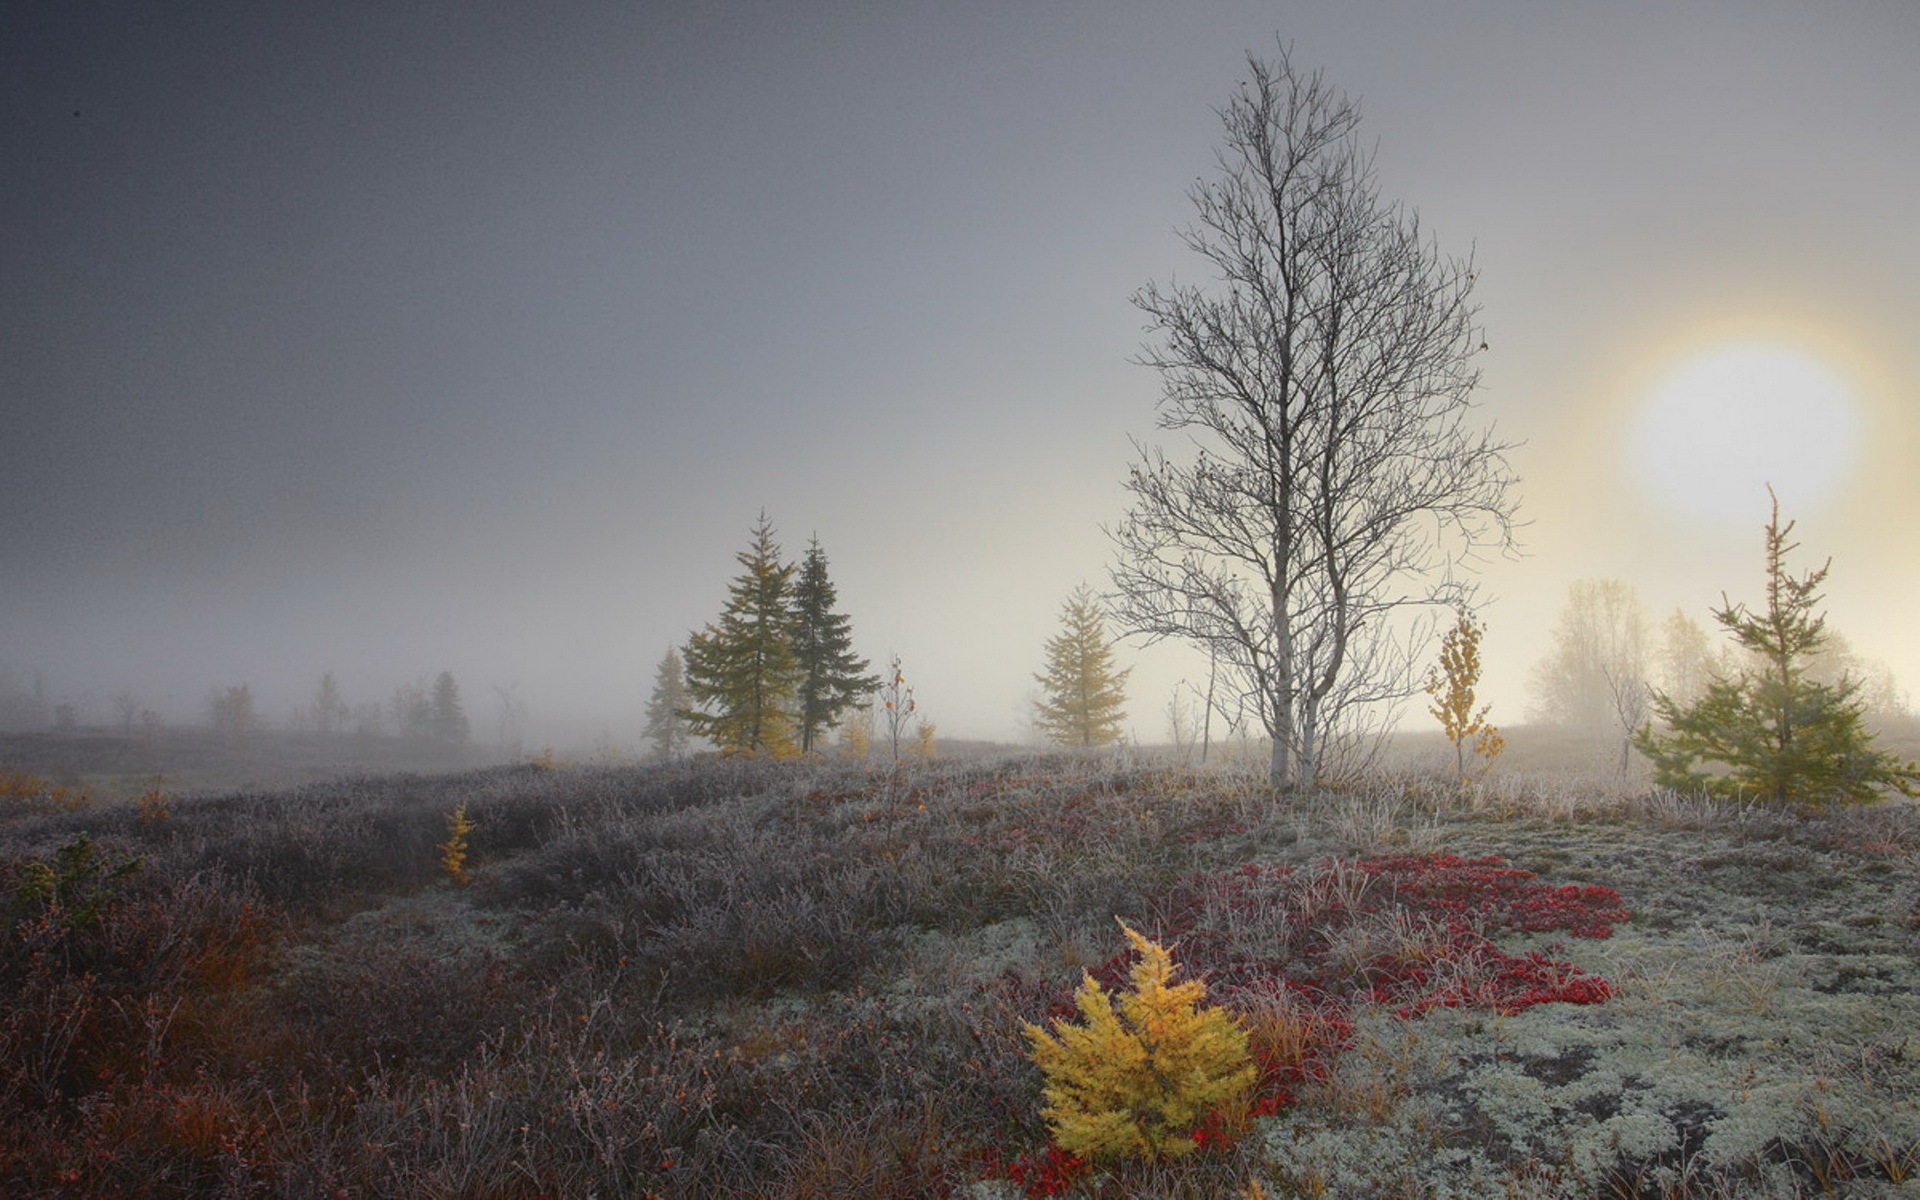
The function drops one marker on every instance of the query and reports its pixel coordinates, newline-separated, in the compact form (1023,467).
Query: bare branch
(1339,486)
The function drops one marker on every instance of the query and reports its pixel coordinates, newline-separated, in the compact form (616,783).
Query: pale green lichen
(1759,1035)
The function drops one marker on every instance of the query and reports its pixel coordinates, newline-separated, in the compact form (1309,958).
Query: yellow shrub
(1136,1081)
(453,854)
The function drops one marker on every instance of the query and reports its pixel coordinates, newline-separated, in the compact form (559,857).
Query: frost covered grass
(734,978)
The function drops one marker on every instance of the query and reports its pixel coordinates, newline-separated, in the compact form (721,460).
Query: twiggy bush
(1138,1081)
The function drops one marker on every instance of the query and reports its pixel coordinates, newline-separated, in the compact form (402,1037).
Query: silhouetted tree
(330,711)
(126,710)
(741,675)
(666,728)
(1836,662)
(1326,379)
(1601,637)
(448,722)
(832,677)
(1595,679)
(1687,663)
(1773,731)
(232,712)
(1084,692)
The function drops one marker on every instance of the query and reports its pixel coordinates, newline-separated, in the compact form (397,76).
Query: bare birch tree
(1339,484)
(1598,662)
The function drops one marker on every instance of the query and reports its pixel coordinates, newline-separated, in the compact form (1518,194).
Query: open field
(736,978)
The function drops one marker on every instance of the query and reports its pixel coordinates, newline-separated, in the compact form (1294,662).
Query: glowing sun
(1720,426)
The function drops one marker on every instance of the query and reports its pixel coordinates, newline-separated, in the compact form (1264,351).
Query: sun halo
(1720,425)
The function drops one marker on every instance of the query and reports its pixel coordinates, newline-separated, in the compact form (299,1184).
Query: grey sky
(387,338)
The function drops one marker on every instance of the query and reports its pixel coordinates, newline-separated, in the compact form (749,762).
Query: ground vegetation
(736,977)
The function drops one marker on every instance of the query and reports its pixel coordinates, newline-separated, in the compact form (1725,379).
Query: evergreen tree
(1085,694)
(447,722)
(832,678)
(666,722)
(1779,734)
(741,673)
(1136,1076)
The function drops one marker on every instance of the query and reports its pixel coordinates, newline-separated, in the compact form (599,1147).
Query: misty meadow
(1311,696)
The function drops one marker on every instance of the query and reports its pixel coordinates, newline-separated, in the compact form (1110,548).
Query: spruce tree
(832,677)
(666,723)
(740,673)
(448,719)
(1085,693)
(1776,733)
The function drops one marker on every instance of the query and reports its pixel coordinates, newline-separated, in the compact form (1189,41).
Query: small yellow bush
(1136,1081)
(453,854)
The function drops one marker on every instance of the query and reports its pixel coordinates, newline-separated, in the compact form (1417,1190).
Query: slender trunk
(1280,723)
(1306,765)
(1206,728)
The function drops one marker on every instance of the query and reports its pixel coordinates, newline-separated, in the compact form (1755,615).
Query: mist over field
(1096,600)
(386,343)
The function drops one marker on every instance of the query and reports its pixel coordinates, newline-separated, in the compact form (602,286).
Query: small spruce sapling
(1136,1078)
(1773,731)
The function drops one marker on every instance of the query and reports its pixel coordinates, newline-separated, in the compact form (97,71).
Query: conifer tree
(1134,1079)
(1085,693)
(832,677)
(1777,733)
(740,673)
(448,722)
(666,722)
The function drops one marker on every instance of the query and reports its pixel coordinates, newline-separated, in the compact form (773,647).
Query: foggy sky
(385,339)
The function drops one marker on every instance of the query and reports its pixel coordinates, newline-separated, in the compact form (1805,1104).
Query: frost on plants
(1136,1079)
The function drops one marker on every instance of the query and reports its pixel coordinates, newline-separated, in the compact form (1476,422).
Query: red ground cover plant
(1291,951)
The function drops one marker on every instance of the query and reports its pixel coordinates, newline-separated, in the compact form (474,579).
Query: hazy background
(383,339)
